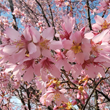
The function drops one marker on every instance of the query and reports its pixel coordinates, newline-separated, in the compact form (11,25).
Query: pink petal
(99,20)
(48,33)
(27,33)
(56,45)
(79,58)
(19,55)
(17,75)
(63,62)
(89,35)
(28,75)
(12,34)
(70,55)
(46,53)
(10,49)
(96,27)
(108,19)
(32,48)
(91,70)
(54,71)
(69,23)
(67,44)
(35,34)
(86,48)
(100,36)
(37,68)
(76,37)
(36,54)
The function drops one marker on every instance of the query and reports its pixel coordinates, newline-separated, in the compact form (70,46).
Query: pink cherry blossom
(78,50)
(68,26)
(52,94)
(101,23)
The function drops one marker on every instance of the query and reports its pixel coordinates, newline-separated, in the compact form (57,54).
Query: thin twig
(103,95)
(51,15)
(95,86)
(14,18)
(43,13)
(103,13)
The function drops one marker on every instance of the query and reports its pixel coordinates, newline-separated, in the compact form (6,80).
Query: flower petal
(10,49)
(32,48)
(99,20)
(48,33)
(35,35)
(12,34)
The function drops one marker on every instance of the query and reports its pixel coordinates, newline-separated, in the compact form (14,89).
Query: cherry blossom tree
(55,54)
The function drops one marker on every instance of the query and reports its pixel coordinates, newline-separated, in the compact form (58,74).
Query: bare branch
(92,93)
(88,14)
(14,18)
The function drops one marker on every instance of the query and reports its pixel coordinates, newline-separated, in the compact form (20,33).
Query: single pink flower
(55,95)
(101,23)
(78,50)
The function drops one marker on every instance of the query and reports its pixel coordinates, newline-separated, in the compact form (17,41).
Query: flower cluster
(33,54)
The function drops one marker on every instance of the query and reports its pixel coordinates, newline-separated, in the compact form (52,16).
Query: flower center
(27,64)
(105,25)
(47,63)
(76,49)
(20,44)
(57,96)
(44,44)
(69,106)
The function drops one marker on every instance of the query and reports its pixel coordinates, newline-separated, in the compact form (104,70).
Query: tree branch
(95,86)
(51,15)
(88,14)
(14,18)
(103,95)
(96,99)
(29,106)
(43,13)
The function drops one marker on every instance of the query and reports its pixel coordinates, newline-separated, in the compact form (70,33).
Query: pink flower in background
(59,2)
(105,4)
(55,95)
(68,26)
(101,23)
(93,70)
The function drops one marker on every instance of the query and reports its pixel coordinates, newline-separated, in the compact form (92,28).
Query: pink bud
(78,95)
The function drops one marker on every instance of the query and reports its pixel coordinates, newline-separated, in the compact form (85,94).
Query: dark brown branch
(68,80)
(43,13)
(14,18)
(103,13)
(28,8)
(29,106)
(21,98)
(51,15)
(88,14)
(103,95)
(96,100)
(95,86)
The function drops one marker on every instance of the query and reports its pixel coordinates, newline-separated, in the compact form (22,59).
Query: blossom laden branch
(43,13)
